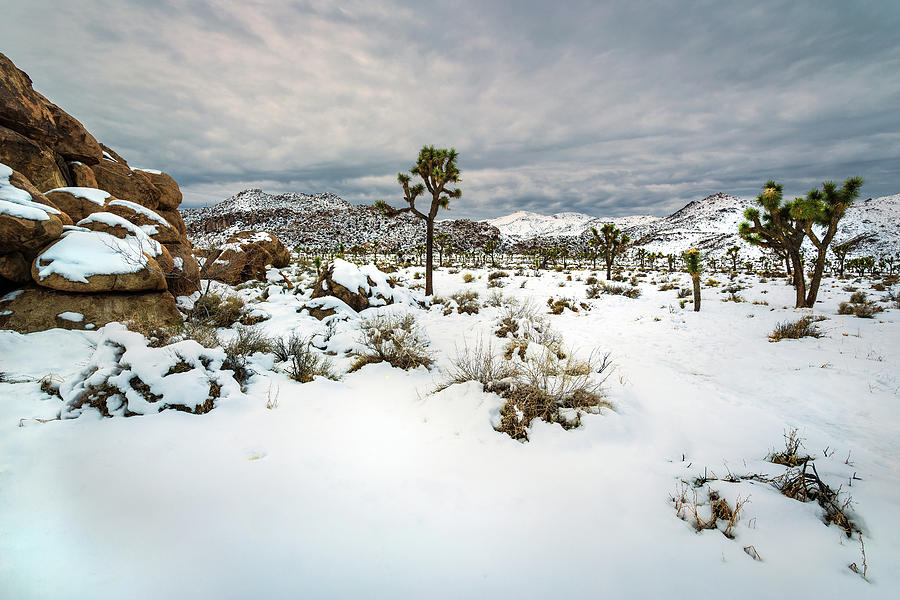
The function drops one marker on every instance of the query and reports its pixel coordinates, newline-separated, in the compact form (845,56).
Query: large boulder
(149,220)
(78,202)
(25,225)
(91,261)
(174,219)
(360,287)
(118,179)
(34,160)
(22,109)
(36,309)
(246,256)
(169,192)
(185,276)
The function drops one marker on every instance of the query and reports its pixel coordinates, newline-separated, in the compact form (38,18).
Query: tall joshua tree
(611,242)
(778,230)
(437,169)
(692,265)
(783,227)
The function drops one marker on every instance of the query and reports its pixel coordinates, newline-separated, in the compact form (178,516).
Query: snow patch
(94,195)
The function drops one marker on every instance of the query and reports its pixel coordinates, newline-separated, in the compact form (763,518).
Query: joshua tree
(489,247)
(641,256)
(824,208)
(611,242)
(437,169)
(842,250)
(778,229)
(443,241)
(692,264)
(733,253)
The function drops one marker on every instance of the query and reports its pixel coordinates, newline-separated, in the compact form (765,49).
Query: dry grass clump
(157,335)
(304,363)
(558,305)
(803,327)
(804,484)
(214,310)
(397,340)
(590,280)
(790,456)
(554,390)
(466,303)
(468,278)
(704,508)
(479,362)
(629,291)
(665,287)
(495,279)
(240,348)
(860,306)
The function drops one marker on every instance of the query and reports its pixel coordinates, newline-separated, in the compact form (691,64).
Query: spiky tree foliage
(842,250)
(437,169)
(692,264)
(783,227)
(489,247)
(733,253)
(824,208)
(778,229)
(611,243)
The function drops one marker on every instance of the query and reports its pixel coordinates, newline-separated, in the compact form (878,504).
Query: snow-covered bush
(240,348)
(304,362)
(125,377)
(803,327)
(395,339)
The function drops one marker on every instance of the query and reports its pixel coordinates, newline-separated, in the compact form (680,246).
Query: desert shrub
(453,271)
(157,335)
(558,305)
(397,340)
(202,333)
(468,278)
(553,389)
(591,280)
(480,363)
(495,283)
(215,310)
(497,275)
(240,348)
(496,299)
(803,327)
(466,303)
(620,290)
(594,291)
(684,292)
(304,362)
(791,455)
(860,306)
(668,286)
(703,508)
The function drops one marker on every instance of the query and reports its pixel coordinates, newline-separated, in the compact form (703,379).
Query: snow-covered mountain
(326,220)
(322,220)
(524,224)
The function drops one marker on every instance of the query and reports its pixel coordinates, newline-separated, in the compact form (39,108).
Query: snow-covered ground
(373,486)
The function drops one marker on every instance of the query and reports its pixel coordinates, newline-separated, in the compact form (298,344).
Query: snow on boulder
(93,261)
(78,202)
(125,377)
(153,225)
(361,287)
(245,256)
(25,224)
(115,176)
(327,308)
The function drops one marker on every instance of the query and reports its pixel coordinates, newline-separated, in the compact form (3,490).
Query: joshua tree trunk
(695,277)
(429,254)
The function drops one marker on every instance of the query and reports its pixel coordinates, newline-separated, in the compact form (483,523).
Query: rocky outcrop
(36,308)
(246,256)
(359,287)
(122,252)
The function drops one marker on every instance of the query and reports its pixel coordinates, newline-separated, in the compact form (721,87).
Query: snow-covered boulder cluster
(125,377)
(346,288)
(129,235)
(245,256)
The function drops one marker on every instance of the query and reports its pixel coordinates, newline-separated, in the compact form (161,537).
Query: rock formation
(245,256)
(128,254)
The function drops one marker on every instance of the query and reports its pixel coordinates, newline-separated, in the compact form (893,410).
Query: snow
(375,486)
(18,203)
(94,195)
(75,317)
(143,210)
(108,156)
(141,238)
(81,254)
(356,278)
(151,171)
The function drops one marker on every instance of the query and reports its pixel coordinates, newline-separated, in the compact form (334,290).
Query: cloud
(605,108)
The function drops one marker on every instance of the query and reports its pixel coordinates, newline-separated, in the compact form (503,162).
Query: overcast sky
(608,108)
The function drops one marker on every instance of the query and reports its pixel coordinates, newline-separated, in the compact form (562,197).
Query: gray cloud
(606,108)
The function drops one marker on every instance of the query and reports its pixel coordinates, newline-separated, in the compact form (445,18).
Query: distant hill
(326,220)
